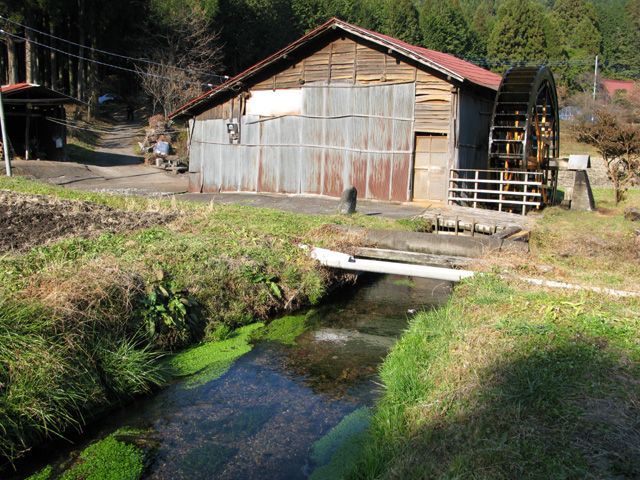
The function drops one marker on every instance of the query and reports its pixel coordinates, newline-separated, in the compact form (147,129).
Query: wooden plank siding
(346,61)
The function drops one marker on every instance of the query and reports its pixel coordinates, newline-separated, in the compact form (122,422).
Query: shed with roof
(343,106)
(35,118)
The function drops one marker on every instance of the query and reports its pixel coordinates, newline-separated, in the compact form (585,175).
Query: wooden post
(27,121)
(5,139)
(475,193)
(524,198)
(500,185)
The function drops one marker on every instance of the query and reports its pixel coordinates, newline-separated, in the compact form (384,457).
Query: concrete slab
(305,204)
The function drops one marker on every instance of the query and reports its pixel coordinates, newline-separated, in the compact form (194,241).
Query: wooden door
(430,171)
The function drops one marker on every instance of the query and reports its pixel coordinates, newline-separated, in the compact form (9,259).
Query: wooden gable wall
(345,61)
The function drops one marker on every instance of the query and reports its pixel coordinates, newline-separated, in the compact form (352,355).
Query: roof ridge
(445,63)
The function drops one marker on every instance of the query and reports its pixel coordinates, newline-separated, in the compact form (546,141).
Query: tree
(578,37)
(400,20)
(445,29)
(482,22)
(619,145)
(518,34)
(188,56)
(620,39)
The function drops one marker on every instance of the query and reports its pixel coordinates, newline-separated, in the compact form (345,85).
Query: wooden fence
(504,190)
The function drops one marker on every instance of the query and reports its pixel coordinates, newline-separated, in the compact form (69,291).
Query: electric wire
(80,57)
(106,52)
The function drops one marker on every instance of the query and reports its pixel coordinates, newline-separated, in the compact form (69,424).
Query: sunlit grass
(507,382)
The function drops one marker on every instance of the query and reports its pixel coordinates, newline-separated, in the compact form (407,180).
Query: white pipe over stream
(329,258)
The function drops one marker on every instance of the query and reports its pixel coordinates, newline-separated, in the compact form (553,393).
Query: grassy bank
(598,248)
(84,318)
(509,381)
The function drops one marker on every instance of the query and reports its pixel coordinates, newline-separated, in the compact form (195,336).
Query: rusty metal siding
(346,135)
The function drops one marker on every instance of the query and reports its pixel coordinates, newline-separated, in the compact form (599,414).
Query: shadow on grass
(570,411)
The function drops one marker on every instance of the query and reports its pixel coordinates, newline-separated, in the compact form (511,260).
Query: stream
(261,419)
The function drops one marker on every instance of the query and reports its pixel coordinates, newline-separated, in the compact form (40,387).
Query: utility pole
(595,86)
(595,79)
(5,138)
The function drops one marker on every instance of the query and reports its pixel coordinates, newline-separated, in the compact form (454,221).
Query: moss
(108,459)
(404,282)
(285,329)
(44,474)
(210,360)
(335,453)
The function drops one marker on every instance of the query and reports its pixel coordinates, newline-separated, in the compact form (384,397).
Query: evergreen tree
(445,29)
(620,39)
(519,34)
(482,22)
(579,20)
(400,20)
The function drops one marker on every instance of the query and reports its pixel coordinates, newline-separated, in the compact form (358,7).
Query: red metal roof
(16,87)
(445,63)
(461,68)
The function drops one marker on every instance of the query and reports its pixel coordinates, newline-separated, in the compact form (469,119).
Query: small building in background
(343,106)
(35,119)
(615,89)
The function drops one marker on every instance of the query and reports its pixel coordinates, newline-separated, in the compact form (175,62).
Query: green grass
(73,337)
(508,382)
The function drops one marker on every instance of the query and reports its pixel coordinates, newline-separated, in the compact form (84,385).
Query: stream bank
(85,312)
(284,408)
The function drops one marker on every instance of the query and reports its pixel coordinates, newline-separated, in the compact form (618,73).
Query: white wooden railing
(508,190)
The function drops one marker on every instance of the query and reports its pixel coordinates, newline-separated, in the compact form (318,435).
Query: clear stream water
(260,419)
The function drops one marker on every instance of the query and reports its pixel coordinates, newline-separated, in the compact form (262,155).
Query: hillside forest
(86,47)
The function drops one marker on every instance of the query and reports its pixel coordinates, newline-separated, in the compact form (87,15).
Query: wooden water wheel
(524,134)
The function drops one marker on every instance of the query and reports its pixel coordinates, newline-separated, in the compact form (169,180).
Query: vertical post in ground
(27,153)
(5,138)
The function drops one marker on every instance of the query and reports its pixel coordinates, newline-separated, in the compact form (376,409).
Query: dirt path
(112,166)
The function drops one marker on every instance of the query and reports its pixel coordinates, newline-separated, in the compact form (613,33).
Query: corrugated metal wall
(346,135)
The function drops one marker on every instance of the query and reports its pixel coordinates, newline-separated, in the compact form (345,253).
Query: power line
(106,52)
(80,57)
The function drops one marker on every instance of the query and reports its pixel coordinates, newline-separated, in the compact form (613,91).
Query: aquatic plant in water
(334,453)
(108,459)
(211,360)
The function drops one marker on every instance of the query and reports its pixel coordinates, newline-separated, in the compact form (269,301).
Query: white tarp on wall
(271,103)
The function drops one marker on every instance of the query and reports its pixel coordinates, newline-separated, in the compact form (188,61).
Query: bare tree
(188,56)
(619,144)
